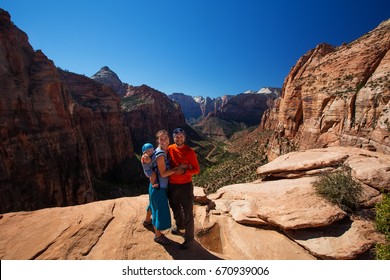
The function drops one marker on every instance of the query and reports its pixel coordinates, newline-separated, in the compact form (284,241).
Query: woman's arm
(162,168)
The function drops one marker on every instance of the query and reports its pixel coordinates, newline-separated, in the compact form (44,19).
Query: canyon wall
(147,111)
(336,96)
(55,136)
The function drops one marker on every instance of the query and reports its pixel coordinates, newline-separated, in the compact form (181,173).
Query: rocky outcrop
(108,77)
(336,96)
(281,219)
(190,108)
(368,167)
(197,108)
(147,111)
(211,105)
(246,108)
(237,113)
(289,201)
(52,136)
(98,119)
(112,230)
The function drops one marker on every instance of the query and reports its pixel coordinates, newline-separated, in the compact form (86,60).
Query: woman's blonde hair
(159,133)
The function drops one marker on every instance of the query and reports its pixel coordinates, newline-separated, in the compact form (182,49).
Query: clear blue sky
(198,47)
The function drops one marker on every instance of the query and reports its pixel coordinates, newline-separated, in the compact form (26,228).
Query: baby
(148,158)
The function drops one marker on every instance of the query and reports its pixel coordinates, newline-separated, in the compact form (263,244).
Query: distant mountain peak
(265,90)
(270,90)
(108,77)
(105,68)
(104,73)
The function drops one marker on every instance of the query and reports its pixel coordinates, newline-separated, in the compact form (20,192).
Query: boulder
(288,204)
(200,196)
(346,239)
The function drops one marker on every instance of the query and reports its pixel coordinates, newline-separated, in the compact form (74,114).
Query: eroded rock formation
(281,219)
(237,113)
(336,96)
(108,77)
(54,139)
(147,111)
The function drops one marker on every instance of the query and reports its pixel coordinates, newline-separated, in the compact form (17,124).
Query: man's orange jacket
(179,156)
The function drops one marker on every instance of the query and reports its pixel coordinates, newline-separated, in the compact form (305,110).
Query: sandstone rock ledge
(289,203)
(113,230)
(281,219)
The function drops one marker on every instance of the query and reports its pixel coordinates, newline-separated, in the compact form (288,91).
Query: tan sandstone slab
(109,230)
(289,203)
(242,211)
(239,242)
(200,195)
(346,239)
(372,169)
(301,161)
(112,230)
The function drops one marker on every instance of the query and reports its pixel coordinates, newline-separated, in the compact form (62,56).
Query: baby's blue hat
(147,146)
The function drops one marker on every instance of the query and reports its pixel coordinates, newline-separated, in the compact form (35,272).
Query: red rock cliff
(147,111)
(55,137)
(336,96)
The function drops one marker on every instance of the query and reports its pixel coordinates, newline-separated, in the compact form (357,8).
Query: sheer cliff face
(191,109)
(147,111)
(198,107)
(54,137)
(246,108)
(337,96)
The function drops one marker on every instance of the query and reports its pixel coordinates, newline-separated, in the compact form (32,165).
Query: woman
(161,216)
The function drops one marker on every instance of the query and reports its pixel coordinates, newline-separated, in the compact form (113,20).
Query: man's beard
(179,143)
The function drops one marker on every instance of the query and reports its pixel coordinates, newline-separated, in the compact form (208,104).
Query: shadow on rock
(335,230)
(195,252)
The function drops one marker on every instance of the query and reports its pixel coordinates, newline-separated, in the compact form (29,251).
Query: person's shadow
(194,252)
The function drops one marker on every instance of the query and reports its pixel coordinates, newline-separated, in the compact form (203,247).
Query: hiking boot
(177,231)
(147,224)
(186,244)
(162,239)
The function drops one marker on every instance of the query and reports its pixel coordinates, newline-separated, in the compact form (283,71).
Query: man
(180,189)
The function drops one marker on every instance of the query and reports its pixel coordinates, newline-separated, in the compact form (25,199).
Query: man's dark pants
(181,199)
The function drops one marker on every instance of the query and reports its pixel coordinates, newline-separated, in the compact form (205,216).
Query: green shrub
(339,188)
(382,224)
(382,251)
(382,216)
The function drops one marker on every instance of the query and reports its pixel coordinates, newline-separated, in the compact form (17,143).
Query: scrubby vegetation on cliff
(339,188)
(133,101)
(382,223)
(226,163)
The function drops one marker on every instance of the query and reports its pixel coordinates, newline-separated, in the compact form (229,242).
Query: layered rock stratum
(198,107)
(282,219)
(336,96)
(237,113)
(58,130)
(146,111)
